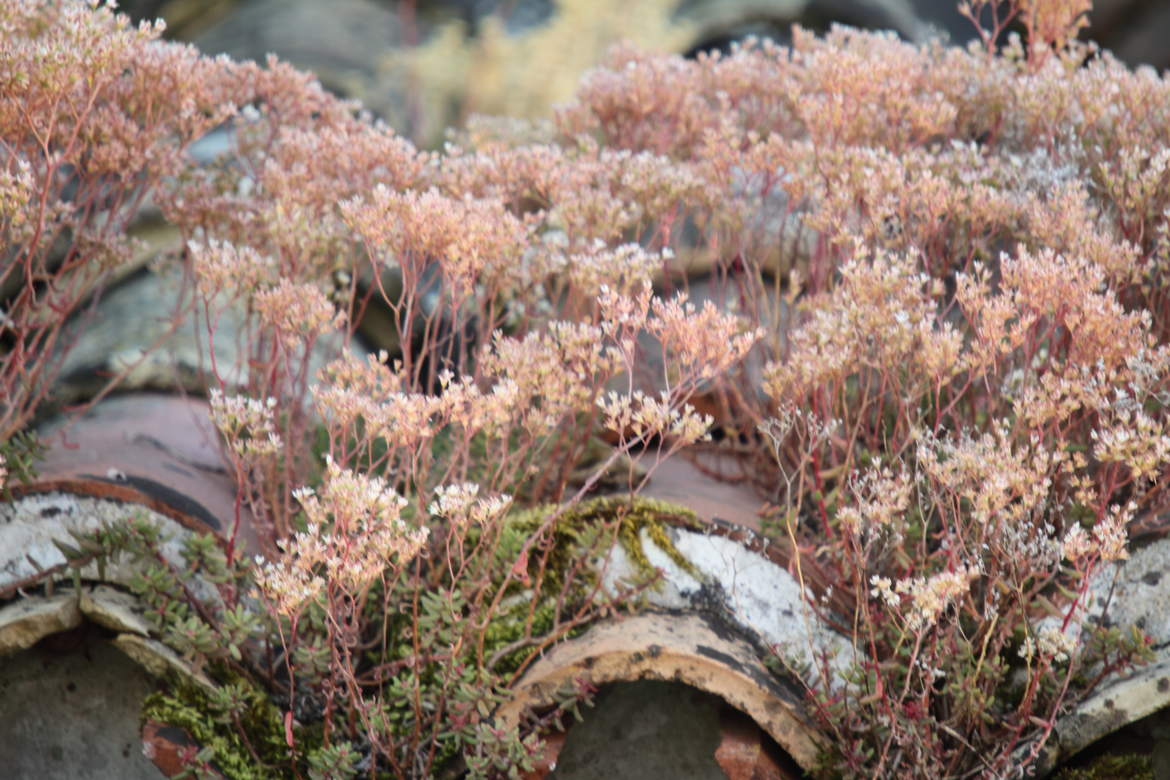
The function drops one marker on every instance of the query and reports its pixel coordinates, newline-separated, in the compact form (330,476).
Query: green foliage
(335,762)
(583,530)
(237,721)
(237,724)
(19,454)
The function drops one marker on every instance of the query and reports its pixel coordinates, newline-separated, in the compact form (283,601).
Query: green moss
(211,724)
(1130,766)
(632,515)
(509,625)
(578,533)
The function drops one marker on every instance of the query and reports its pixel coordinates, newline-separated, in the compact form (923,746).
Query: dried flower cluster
(354,530)
(957,255)
(94,115)
(517,295)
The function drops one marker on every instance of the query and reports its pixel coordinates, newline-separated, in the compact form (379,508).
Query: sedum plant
(958,411)
(95,117)
(397,591)
(932,326)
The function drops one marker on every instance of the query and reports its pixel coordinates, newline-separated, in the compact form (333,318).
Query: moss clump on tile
(575,528)
(227,722)
(1131,766)
(579,533)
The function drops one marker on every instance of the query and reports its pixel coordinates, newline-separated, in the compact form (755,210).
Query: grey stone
(152,328)
(1130,593)
(745,587)
(644,729)
(72,715)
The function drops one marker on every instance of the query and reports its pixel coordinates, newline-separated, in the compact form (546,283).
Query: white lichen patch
(1132,592)
(765,598)
(30,526)
(1140,592)
(619,572)
(759,596)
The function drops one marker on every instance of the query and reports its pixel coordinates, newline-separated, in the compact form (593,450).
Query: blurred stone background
(424,65)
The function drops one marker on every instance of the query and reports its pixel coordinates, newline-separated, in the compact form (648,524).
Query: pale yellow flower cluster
(354,532)
(622,316)
(474,240)
(1074,293)
(1051,643)
(533,383)
(16,190)
(604,193)
(928,597)
(1069,222)
(461,505)
(640,416)
(554,373)
(1135,439)
(1106,540)
(882,496)
(224,268)
(1006,485)
(880,316)
(493,412)
(298,313)
(623,269)
(699,343)
(1060,393)
(370,392)
(248,425)
(288,588)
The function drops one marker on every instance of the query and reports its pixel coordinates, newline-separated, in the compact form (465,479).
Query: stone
(644,729)
(1131,593)
(26,621)
(31,525)
(160,660)
(733,578)
(73,714)
(158,451)
(114,609)
(152,331)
